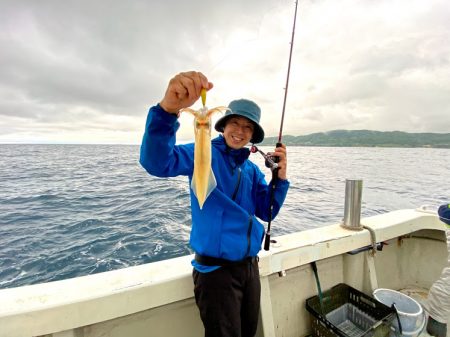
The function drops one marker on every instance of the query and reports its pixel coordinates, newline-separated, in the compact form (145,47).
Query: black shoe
(435,328)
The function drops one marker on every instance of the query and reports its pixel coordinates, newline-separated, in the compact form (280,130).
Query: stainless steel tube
(352,207)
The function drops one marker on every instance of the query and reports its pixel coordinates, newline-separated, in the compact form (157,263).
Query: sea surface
(73,210)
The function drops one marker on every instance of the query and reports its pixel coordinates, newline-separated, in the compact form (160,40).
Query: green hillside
(366,138)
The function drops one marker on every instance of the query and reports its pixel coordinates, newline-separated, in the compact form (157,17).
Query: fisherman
(225,236)
(439,295)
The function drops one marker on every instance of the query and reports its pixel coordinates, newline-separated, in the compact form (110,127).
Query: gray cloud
(78,66)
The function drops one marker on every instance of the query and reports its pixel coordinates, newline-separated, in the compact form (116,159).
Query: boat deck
(157,299)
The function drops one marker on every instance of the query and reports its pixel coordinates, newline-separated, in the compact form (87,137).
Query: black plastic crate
(347,312)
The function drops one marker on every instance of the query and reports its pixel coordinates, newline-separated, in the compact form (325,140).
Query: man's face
(237,132)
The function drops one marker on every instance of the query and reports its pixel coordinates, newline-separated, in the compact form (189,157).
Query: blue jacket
(223,228)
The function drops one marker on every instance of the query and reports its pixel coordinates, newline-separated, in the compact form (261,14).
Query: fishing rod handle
(272,191)
(267,241)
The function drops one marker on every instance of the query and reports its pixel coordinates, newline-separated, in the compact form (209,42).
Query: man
(225,235)
(439,295)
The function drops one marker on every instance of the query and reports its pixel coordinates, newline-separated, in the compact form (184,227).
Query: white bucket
(410,312)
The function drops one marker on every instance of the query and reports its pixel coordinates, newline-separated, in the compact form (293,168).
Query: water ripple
(69,210)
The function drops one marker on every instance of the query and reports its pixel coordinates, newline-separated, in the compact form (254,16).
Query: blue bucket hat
(444,213)
(243,108)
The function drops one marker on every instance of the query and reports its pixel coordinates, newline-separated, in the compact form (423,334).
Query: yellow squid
(203,180)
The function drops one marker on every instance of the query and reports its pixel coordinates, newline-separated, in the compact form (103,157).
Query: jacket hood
(239,156)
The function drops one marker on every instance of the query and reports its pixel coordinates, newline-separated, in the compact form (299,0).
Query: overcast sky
(87,71)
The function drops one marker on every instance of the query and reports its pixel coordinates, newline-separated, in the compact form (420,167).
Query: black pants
(228,299)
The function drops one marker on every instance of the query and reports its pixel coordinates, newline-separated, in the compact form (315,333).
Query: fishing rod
(271,162)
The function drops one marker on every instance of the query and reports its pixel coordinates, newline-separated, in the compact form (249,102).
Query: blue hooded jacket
(224,228)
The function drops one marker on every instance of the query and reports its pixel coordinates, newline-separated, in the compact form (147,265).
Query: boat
(156,299)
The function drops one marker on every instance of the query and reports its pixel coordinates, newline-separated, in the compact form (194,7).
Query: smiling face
(238,132)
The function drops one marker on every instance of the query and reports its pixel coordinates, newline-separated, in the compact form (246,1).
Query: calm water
(72,210)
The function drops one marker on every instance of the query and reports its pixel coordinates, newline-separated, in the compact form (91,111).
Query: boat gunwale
(45,308)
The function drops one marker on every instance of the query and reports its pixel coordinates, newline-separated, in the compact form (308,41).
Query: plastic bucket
(410,312)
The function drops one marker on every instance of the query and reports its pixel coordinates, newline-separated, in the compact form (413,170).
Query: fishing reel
(270,161)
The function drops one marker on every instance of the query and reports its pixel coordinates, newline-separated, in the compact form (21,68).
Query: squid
(203,179)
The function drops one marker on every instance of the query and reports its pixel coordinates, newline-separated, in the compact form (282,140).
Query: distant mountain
(366,138)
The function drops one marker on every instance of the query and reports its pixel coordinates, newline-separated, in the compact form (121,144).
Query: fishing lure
(203,180)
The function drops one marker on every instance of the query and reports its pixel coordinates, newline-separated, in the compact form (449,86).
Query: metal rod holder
(352,207)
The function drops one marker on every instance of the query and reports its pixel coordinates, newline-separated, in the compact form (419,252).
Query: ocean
(73,210)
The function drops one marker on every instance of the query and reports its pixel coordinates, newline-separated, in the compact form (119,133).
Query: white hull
(156,299)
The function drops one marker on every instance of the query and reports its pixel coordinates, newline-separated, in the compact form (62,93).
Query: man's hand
(184,90)
(281,153)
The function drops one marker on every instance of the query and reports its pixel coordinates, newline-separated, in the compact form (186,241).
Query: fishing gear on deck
(271,162)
